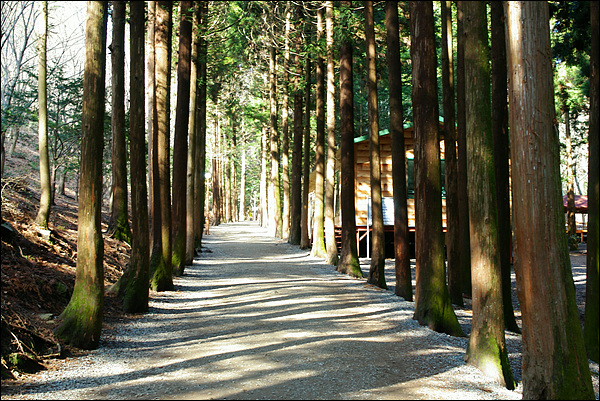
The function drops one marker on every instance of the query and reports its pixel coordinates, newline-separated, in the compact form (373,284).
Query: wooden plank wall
(362,176)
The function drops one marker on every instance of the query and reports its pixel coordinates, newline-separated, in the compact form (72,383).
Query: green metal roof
(387,131)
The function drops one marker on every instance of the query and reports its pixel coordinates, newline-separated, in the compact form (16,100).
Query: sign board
(387,204)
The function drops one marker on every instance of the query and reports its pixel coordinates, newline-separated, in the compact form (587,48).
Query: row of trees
(228,70)
(479,239)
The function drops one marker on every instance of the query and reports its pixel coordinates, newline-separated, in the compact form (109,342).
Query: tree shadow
(248,329)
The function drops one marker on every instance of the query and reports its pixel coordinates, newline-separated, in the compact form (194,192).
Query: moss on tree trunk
(82,318)
(487,349)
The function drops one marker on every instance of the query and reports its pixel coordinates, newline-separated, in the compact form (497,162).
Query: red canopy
(581,203)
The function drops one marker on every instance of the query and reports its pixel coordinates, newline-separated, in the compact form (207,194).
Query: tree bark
(226,188)
(304,219)
(242,205)
(486,349)
(296,178)
(153,214)
(82,318)
(590,327)
(376,271)
(433,307)
(318,235)
(45,193)
(200,127)
(501,155)
(401,240)
(461,140)
(216,178)
(571,225)
(453,266)
(330,243)
(555,364)
(348,263)
(231,180)
(118,226)
(285,139)
(263,178)
(133,284)
(180,145)
(161,270)
(275,221)
(192,148)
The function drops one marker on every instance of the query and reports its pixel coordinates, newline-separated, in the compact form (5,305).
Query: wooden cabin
(363,189)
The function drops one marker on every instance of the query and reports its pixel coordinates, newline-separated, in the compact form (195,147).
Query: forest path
(257,318)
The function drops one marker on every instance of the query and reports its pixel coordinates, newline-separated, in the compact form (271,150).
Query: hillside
(38,275)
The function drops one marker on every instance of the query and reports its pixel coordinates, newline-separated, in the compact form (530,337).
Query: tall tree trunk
(318,235)
(180,142)
(285,139)
(486,349)
(401,239)
(153,214)
(133,284)
(82,318)
(221,172)
(501,154)
(242,209)
(377,269)
(555,364)
(275,221)
(304,238)
(161,270)
(349,254)
(156,260)
(571,225)
(263,177)
(461,139)
(230,172)
(453,266)
(226,187)
(330,243)
(590,327)
(296,179)
(53,171)
(118,226)
(60,184)
(200,126)
(45,193)
(433,307)
(192,146)
(216,179)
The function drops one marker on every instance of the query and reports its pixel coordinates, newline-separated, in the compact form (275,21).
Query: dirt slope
(38,275)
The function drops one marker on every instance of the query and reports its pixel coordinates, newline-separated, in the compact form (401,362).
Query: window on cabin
(410,178)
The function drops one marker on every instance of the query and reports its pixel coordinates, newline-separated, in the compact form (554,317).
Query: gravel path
(257,318)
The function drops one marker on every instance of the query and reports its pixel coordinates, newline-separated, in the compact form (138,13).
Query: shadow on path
(257,318)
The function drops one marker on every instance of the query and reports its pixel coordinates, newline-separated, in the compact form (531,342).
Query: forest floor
(253,318)
(257,318)
(38,275)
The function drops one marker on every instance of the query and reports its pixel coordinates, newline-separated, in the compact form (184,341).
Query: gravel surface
(257,318)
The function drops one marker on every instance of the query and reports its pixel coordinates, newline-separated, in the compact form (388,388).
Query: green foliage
(570,88)
(574,242)
(570,33)
(64,113)
(25,362)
